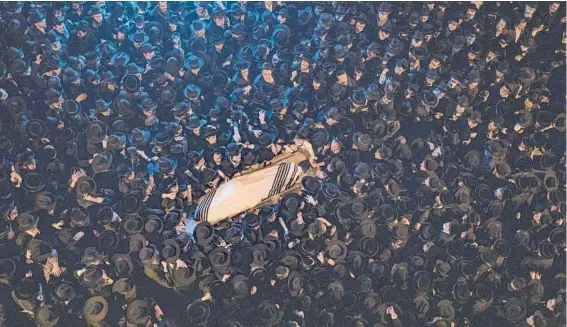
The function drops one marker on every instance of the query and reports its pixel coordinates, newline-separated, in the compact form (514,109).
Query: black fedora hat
(381,170)
(407,206)
(483,292)
(446,309)
(122,264)
(193,62)
(336,249)
(548,160)
(17,106)
(219,258)
(454,249)
(295,284)
(96,131)
(154,224)
(104,215)
(358,209)
(483,193)
(422,281)
(33,182)
(101,162)
(368,227)
(120,59)
(308,247)
(369,246)
(85,185)
(557,236)
(387,213)
(467,269)
(319,137)
(170,251)
(108,240)
(502,247)
(136,242)
(131,203)
(46,316)
(131,83)
(515,310)
(125,286)
(401,232)
(472,159)
(95,309)
(546,249)
(36,129)
(133,224)
(198,312)
(461,292)
(8,269)
(91,277)
(331,191)
(64,292)
(362,141)
(389,294)
(138,312)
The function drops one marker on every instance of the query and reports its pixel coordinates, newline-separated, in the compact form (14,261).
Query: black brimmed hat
(96,131)
(64,292)
(136,242)
(36,129)
(133,224)
(331,191)
(122,264)
(467,269)
(483,292)
(108,240)
(368,227)
(219,258)
(311,185)
(204,233)
(95,309)
(170,251)
(7,269)
(101,162)
(446,310)
(33,182)
(138,312)
(362,141)
(546,249)
(515,310)
(85,185)
(46,316)
(131,203)
(422,282)
(461,292)
(369,246)
(337,249)
(198,312)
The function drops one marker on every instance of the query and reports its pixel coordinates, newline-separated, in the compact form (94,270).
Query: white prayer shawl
(246,192)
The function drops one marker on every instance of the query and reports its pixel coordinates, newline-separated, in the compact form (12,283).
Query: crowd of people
(436,131)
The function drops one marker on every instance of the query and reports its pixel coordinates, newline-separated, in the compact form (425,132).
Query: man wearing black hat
(82,40)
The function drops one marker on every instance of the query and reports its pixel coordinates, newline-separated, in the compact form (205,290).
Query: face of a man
(219,20)
(360,26)
(97,18)
(382,16)
(501,24)
(217,157)
(267,74)
(162,5)
(504,91)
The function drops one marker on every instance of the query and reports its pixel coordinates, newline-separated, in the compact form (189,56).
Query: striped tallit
(247,191)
